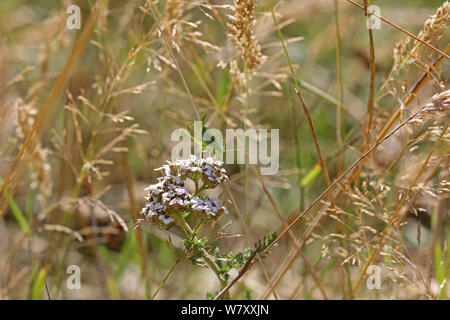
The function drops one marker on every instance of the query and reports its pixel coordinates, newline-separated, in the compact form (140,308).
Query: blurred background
(107,97)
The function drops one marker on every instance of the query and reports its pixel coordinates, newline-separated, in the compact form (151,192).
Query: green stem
(192,234)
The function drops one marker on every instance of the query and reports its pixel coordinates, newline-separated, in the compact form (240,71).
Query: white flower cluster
(210,207)
(165,197)
(210,171)
(169,196)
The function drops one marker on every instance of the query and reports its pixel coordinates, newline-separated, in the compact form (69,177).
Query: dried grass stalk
(241,33)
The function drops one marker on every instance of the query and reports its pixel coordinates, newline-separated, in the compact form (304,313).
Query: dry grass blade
(394,219)
(64,229)
(53,96)
(345,173)
(166,42)
(291,235)
(404,31)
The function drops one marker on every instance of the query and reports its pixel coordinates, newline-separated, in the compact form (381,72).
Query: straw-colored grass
(87,115)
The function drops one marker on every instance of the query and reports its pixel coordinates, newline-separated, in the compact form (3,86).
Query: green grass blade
(18,214)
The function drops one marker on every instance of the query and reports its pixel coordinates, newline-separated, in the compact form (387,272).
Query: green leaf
(18,214)
(222,90)
(38,284)
(311,175)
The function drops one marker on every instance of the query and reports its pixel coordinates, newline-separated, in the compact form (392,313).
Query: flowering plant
(169,203)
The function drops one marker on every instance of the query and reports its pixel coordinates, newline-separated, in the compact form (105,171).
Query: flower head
(169,197)
(208,207)
(166,197)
